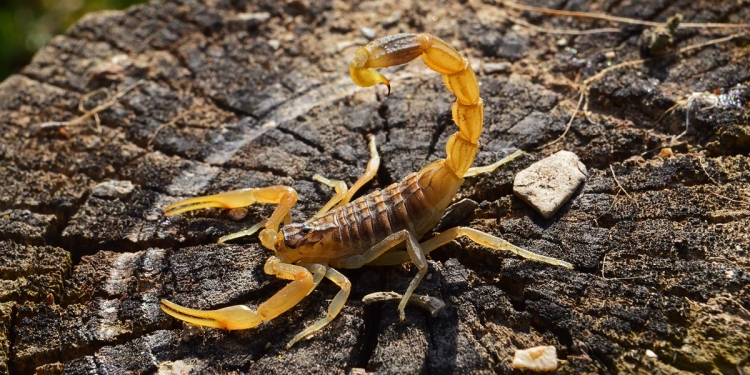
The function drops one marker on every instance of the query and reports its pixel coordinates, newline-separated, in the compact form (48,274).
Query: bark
(255,93)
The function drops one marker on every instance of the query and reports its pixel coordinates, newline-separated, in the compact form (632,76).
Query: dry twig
(168,124)
(631,21)
(81,120)
(621,188)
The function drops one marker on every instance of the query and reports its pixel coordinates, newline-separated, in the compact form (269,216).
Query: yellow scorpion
(369,229)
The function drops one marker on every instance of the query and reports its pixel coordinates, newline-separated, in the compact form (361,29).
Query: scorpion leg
(344,195)
(284,196)
(481,238)
(333,309)
(243,317)
(488,240)
(413,249)
(490,168)
(338,186)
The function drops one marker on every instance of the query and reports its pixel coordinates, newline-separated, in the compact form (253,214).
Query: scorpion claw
(230,199)
(230,318)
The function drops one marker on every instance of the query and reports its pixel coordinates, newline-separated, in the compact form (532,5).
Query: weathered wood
(257,93)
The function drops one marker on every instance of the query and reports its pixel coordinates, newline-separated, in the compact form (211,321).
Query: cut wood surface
(199,97)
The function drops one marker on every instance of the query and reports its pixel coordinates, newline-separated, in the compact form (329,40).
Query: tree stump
(204,97)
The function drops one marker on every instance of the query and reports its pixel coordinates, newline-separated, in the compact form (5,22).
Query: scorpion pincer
(368,230)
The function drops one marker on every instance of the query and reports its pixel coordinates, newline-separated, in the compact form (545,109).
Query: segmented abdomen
(371,218)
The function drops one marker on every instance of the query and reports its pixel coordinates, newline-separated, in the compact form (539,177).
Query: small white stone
(610,55)
(562,42)
(492,68)
(368,33)
(274,43)
(476,65)
(254,18)
(112,189)
(176,367)
(547,184)
(650,354)
(538,358)
(238,214)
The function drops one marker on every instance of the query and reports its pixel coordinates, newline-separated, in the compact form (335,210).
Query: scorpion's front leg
(284,196)
(344,195)
(243,317)
(333,309)
(413,249)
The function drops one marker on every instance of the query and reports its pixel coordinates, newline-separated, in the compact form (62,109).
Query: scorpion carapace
(368,230)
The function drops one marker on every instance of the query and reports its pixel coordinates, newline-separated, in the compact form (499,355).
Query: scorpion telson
(350,234)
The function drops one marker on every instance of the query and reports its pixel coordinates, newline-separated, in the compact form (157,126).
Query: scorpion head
(301,236)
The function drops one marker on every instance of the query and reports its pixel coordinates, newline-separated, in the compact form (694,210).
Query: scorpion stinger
(367,230)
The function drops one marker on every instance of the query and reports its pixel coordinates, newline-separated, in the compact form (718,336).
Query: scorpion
(371,229)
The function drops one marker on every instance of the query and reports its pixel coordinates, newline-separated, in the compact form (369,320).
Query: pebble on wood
(368,33)
(501,67)
(547,184)
(538,358)
(113,189)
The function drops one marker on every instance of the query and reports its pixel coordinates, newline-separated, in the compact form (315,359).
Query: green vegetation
(27,25)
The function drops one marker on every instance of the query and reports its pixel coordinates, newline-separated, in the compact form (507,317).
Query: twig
(90,113)
(611,206)
(431,304)
(570,122)
(730,199)
(631,21)
(700,161)
(162,126)
(710,42)
(540,29)
(587,82)
(732,301)
(621,188)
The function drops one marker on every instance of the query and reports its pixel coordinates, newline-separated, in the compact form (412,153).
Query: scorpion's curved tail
(443,178)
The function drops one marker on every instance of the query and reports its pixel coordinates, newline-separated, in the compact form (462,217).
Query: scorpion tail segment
(384,52)
(231,318)
(459,78)
(366,77)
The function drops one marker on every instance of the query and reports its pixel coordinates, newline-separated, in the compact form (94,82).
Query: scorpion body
(368,230)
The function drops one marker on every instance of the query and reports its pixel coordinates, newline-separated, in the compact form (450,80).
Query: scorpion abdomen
(373,217)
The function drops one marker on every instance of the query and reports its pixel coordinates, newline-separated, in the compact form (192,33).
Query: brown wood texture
(239,94)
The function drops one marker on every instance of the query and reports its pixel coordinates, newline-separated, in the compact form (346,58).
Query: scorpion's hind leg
(488,240)
(243,317)
(473,171)
(284,196)
(344,195)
